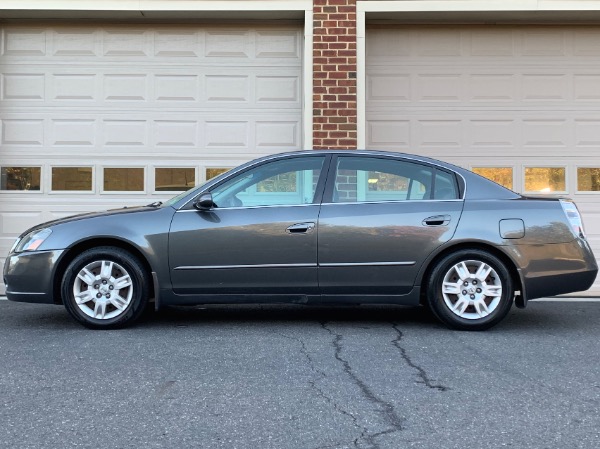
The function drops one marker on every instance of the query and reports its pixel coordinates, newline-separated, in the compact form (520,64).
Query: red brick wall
(334,68)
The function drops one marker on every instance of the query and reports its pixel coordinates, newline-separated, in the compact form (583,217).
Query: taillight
(573,216)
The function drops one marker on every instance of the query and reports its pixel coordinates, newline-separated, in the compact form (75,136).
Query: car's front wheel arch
(105,287)
(82,246)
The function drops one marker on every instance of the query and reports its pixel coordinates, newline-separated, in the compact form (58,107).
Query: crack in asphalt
(320,392)
(421,372)
(386,409)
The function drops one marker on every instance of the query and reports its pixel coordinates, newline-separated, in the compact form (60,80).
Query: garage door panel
(21,132)
(521,100)
(114,43)
(69,136)
(155,88)
(469,131)
(15,222)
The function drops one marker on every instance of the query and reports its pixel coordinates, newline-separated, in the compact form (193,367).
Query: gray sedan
(313,227)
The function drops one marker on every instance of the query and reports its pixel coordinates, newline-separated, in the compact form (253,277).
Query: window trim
(25,192)
(584,192)
(102,191)
(152,179)
(524,168)
(93,191)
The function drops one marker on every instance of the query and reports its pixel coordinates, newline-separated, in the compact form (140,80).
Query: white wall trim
(158,5)
(361,81)
(307,75)
(477,5)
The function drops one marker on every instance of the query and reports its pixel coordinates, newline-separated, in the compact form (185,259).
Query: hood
(123,210)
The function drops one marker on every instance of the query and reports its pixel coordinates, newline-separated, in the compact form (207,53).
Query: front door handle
(437,220)
(300,228)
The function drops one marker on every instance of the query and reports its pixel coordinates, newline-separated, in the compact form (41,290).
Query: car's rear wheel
(105,288)
(470,290)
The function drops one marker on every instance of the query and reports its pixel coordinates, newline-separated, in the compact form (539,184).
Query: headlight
(14,247)
(31,241)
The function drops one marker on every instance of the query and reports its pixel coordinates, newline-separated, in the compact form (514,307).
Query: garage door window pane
(20,178)
(545,179)
(214,172)
(174,179)
(500,175)
(588,179)
(72,179)
(123,179)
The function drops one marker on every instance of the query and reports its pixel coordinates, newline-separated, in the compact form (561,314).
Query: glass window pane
(124,179)
(386,182)
(214,172)
(72,178)
(174,179)
(445,186)
(545,179)
(588,179)
(20,178)
(284,182)
(373,179)
(500,175)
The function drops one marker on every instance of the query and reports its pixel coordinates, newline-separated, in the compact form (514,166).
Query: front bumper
(29,276)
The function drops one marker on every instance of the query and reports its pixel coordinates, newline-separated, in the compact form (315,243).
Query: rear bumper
(558,269)
(559,284)
(29,276)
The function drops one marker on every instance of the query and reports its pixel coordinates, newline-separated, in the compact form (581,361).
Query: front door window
(287,182)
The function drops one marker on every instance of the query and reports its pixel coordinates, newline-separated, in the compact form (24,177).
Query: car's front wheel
(470,290)
(105,288)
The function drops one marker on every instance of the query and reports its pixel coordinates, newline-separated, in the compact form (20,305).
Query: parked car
(313,227)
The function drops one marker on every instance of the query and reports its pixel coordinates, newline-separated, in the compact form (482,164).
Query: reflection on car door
(379,221)
(260,239)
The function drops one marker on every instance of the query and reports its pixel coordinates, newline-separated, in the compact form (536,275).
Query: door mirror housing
(205,202)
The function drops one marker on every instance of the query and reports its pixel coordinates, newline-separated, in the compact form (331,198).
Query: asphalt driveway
(291,377)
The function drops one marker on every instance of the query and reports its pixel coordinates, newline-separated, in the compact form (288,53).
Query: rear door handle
(300,228)
(437,220)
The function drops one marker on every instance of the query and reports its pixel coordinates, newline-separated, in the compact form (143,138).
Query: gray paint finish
(363,251)
(386,232)
(262,257)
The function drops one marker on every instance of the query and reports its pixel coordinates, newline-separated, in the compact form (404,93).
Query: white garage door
(520,104)
(97,117)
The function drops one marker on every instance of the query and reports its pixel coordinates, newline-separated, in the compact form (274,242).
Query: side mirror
(205,202)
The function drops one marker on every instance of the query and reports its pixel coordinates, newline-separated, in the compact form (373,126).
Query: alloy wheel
(472,289)
(103,289)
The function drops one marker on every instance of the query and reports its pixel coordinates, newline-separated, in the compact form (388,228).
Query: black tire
(116,303)
(463,303)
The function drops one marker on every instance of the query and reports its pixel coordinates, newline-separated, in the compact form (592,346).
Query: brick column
(334,69)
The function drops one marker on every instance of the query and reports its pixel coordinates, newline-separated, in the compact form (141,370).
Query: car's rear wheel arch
(504,258)
(80,247)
